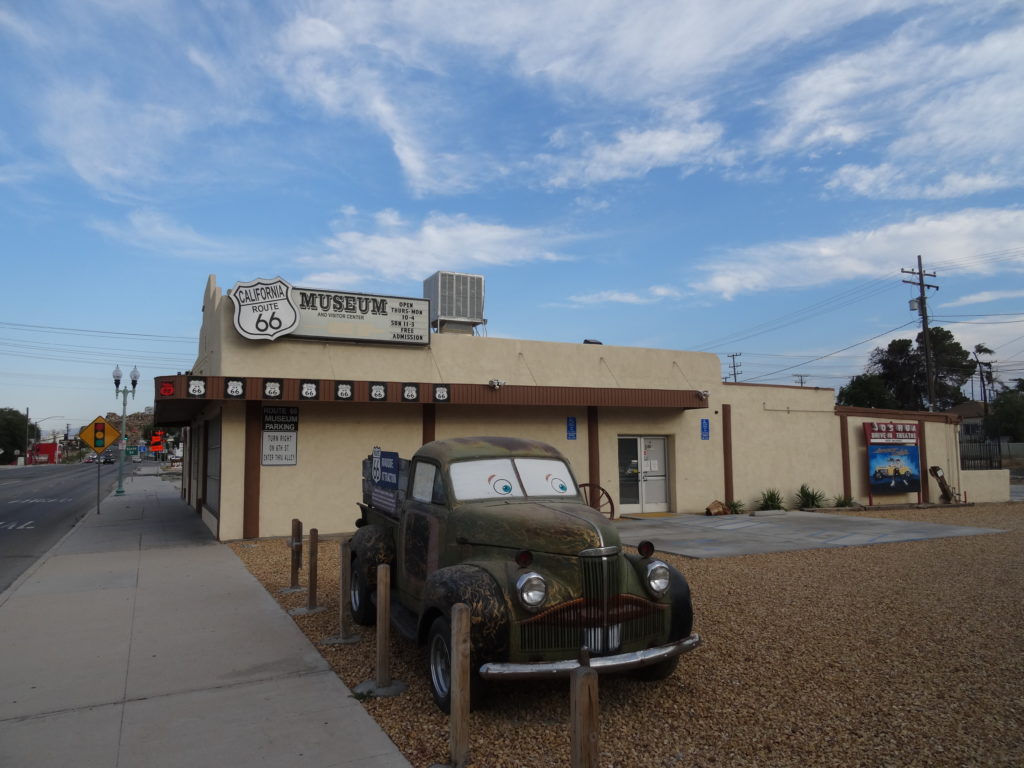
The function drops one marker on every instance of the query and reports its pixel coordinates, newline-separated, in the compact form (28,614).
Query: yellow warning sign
(99,435)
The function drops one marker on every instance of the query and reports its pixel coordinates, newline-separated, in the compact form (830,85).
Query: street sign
(99,435)
(131,450)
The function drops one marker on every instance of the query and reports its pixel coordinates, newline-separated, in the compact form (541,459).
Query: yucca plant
(770,499)
(809,498)
(843,501)
(735,507)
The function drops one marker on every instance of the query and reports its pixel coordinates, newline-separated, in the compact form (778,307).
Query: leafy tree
(896,375)
(12,434)
(1006,414)
(867,390)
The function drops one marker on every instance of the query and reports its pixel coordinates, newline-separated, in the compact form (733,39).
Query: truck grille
(601,618)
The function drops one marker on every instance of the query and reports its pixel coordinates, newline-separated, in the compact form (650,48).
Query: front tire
(657,671)
(360,598)
(439,661)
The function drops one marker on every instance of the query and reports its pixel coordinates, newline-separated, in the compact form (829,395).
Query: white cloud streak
(398,251)
(983,297)
(954,237)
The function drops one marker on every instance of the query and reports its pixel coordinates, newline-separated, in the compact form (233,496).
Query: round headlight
(657,577)
(532,590)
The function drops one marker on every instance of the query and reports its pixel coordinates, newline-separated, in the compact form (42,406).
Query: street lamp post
(124,418)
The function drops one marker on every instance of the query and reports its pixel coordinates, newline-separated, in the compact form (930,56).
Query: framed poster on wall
(894,459)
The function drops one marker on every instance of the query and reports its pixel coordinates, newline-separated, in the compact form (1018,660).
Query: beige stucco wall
(783,437)
(450,359)
(977,486)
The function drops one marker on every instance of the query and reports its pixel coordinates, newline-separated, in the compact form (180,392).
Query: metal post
(124,440)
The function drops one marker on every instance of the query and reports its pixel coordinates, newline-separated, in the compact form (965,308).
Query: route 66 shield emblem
(264,309)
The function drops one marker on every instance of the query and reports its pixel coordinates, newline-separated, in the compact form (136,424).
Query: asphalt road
(39,504)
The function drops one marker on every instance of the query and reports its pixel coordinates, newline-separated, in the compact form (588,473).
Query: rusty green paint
(488,606)
(465,448)
(372,545)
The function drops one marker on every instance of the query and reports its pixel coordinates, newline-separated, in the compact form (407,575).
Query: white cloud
(24,31)
(947,117)
(399,251)
(654,294)
(888,182)
(635,153)
(959,239)
(154,231)
(112,143)
(983,297)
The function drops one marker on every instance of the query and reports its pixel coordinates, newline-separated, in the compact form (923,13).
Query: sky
(747,178)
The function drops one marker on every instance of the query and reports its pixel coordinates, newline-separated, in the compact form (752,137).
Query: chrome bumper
(618,663)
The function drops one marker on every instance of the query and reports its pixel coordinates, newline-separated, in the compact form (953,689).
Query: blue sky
(746,178)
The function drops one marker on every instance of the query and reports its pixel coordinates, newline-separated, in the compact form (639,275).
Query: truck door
(423,517)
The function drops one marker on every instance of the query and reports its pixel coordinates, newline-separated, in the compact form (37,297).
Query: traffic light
(100,435)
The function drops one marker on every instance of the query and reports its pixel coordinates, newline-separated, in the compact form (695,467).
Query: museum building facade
(292,388)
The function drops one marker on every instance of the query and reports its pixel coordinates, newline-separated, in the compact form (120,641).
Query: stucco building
(277,427)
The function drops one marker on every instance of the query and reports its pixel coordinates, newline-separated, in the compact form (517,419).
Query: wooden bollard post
(346,633)
(383,625)
(296,553)
(584,715)
(314,548)
(383,685)
(458,722)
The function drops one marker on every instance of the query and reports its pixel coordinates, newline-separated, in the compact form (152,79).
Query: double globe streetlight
(124,418)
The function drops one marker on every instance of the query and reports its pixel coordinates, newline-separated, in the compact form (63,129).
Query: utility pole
(800,377)
(734,366)
(922,307)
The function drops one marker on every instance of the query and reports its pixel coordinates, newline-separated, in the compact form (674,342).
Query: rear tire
(360,597)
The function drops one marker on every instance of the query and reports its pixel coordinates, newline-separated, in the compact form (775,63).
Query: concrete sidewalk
(141,641)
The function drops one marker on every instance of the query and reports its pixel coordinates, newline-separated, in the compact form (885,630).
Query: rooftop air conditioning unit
(456,301)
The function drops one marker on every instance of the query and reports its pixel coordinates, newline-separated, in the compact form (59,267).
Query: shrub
(735,507)
(770,499)
(843,501)
(809,498)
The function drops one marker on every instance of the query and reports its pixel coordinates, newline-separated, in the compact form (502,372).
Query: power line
(822,357)
(88,332)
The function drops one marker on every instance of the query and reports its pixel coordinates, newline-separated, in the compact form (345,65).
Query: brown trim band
(179,398)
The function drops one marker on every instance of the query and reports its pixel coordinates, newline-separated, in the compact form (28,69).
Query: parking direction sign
(99,435)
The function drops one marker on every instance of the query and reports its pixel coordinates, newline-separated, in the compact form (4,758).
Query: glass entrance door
(643,474)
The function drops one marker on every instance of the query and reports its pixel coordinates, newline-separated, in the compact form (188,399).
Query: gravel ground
(907,654)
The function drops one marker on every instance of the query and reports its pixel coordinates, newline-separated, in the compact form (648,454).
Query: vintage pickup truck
(499,524)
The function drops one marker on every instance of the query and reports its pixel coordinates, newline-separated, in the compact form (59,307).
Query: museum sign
(269,309)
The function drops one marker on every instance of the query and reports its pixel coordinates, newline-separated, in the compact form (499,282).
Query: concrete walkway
(730,535)
(140,641)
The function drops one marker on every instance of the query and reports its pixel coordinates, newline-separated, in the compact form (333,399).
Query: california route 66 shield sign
(264,308)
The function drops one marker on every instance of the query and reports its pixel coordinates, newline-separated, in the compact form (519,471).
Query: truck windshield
(500,478)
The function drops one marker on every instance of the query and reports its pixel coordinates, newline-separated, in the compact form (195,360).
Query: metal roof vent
(456,301)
